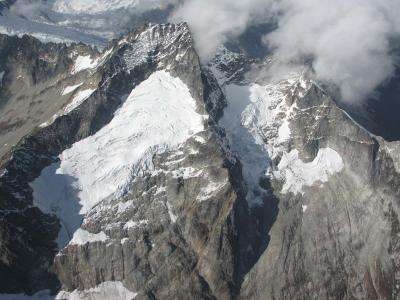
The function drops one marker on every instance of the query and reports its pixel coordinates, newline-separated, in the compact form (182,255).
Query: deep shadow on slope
(380,114)
(254,223)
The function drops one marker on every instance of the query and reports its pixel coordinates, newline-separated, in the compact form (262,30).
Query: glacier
(159,115)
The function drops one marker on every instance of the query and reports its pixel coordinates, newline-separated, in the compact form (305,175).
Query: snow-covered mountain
(330,182)
(134,171)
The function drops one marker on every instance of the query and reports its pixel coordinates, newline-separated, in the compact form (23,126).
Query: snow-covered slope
(107,290)
(157,116)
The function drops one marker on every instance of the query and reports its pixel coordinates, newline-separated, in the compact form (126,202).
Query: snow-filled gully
(252,155)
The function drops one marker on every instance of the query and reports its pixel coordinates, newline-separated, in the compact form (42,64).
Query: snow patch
(70,89)
(199,139)
(160,190)
(304,207)
(123,206)
(172,216)
(82,237)
(132,224)
(297,174)
(211,190)
(84,62)
(186,173)
(78,100)
(107,290)
(75,102)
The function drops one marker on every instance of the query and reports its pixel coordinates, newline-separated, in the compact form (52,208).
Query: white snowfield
(78,99)
(107,290)
(159,115)
(81,237)
(84,62)
(133,224)
(114,290)
(297,174)
(70,89)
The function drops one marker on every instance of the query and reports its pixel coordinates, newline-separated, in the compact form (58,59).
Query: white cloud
(27,8)
(213,21)
(348,41)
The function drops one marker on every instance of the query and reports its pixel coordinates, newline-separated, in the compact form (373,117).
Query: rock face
(149,176)
(335,234)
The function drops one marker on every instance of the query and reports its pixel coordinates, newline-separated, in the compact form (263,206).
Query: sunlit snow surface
(107,290)
(297,174)
(81,237)
(158,115)
(70,89)
(78,99)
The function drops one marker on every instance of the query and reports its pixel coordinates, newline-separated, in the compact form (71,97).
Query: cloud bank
(214,21)
(27,8)
(348,42)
